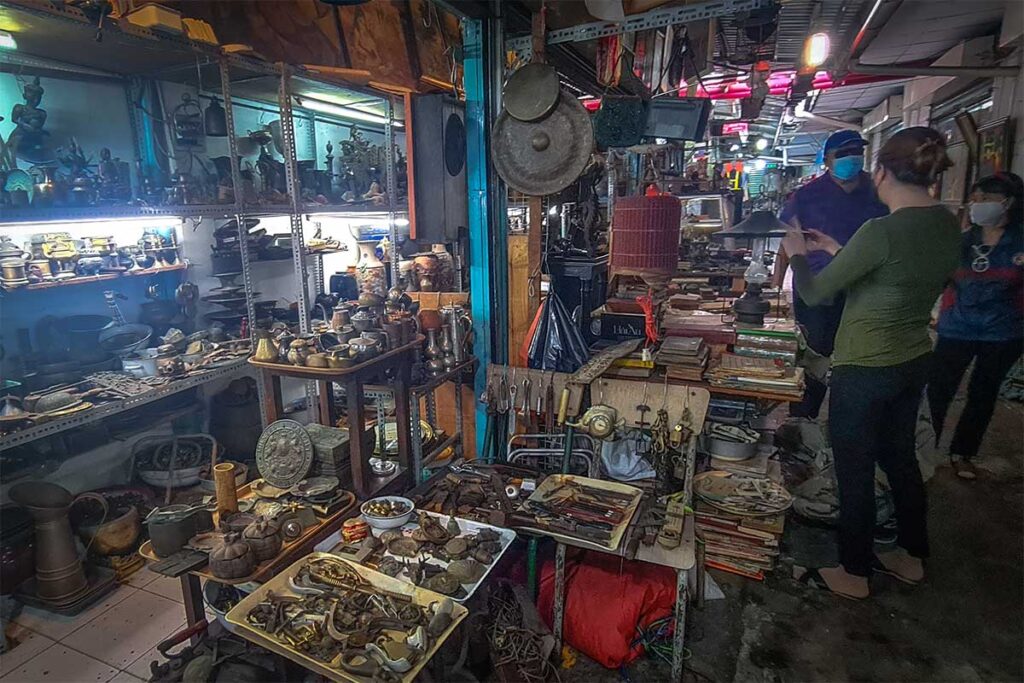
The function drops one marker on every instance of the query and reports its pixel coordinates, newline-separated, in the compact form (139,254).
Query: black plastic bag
(557,343)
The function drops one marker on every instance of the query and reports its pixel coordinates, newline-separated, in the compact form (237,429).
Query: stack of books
(684,358)
(748,546)
(632,365)
(757,374)
(685,302)
(773,341)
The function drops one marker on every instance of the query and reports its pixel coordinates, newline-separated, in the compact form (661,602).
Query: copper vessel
(60,578)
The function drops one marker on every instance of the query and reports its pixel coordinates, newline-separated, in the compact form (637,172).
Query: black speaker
(439,167)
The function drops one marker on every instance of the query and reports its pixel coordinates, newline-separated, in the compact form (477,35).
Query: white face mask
(987,214)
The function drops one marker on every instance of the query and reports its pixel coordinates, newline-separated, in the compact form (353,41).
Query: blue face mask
(847,168)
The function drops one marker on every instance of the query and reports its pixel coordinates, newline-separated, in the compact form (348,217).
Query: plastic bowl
(387,522)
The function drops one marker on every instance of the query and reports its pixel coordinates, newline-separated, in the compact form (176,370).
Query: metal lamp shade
(757,224)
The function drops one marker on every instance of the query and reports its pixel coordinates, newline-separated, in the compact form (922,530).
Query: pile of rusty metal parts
(449,558)
(484,493)
(217,656)
(521,646)
(337,617)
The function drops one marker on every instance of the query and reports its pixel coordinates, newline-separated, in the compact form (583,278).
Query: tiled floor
(111,642)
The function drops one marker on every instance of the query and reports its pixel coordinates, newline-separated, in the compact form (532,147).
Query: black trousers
(950,361)
(820,325)
(872,416)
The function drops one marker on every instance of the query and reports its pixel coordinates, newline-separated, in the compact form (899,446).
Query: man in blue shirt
(837,203)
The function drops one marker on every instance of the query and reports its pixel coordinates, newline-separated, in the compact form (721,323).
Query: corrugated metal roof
(920,30)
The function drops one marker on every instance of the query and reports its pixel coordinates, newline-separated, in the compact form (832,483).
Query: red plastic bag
(606,598)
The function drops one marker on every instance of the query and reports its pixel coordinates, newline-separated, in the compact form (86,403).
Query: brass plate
(284,454)
(546,156)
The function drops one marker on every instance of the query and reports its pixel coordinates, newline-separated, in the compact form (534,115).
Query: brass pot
(316,360)
(116,537)
(430,319)
(363,321)
(338,357)
(13,272)
(345,334)
(362,349)
(298,352)
(340,317)
(394,332)
(266,350)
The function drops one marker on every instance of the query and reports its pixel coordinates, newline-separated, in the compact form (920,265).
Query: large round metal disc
(284,453)
(546,156)
(531,92)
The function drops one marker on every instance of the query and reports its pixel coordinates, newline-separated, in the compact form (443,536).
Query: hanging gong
(545,156)
(531,92)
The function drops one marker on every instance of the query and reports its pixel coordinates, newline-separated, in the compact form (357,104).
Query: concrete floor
(963,624)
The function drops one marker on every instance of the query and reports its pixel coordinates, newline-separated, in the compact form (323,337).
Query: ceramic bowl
(387,522)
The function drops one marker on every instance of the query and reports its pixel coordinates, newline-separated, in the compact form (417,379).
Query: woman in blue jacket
(982,315)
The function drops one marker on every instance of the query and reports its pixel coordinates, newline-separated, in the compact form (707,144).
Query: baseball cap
(843,138)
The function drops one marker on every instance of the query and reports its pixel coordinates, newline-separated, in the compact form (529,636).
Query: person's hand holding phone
(816,240)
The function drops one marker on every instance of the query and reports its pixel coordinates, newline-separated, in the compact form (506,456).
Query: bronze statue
(28,140)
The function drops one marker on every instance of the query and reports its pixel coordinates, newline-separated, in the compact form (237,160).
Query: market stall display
(476,492)
(586,511)
(309,613)
(273,529)
(447,555)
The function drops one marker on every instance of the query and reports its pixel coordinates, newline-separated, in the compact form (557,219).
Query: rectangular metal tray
(466,526)
(279,585)
(553,481)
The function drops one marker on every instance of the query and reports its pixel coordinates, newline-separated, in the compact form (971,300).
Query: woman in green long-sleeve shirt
(892,271)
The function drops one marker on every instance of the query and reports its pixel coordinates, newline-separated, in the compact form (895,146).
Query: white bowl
(387,522)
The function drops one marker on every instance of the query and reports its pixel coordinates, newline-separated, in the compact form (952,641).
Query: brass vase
(60,578)
(266,351)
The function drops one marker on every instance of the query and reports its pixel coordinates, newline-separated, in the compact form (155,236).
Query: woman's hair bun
(915,155)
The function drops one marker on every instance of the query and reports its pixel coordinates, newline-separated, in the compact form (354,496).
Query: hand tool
(512,390)
(540,399)
(526,388)
(549,404)
(643,408)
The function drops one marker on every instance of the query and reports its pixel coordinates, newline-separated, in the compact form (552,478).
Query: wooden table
(353,380)
(291,551)
(624,395)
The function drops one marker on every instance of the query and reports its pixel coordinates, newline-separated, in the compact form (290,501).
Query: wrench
(512,390)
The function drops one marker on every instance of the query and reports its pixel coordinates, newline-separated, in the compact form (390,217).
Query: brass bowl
(116,537)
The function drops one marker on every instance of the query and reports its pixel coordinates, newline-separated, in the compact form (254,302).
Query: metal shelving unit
(113,408)
(64,38)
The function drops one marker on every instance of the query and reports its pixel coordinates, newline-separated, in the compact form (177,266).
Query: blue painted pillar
(488,262)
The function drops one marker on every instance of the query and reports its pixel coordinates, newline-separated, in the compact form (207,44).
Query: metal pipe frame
(488,249)
(657,18)
(243,232)
(291,173)
(955,71)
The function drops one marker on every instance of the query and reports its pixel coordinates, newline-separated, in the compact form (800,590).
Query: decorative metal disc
(531,92)
(546,156)
(284,453)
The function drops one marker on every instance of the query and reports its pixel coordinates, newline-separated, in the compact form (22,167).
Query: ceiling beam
(658,18)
